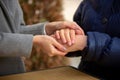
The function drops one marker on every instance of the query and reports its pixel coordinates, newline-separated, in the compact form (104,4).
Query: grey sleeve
(12,45)
(35,29)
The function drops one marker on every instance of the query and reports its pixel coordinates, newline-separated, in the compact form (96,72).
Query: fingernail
(64,49)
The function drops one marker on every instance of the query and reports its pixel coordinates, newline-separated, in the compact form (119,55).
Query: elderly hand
(80,41)
(80,44)
(67,35)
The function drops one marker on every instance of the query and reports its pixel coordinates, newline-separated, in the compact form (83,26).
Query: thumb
(79,32)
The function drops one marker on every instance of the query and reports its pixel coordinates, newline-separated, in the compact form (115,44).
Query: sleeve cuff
(89,51)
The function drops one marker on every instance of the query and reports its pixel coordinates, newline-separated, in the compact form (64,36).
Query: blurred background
(36,11)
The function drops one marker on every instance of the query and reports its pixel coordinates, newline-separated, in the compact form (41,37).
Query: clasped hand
(62,37)
(71,40)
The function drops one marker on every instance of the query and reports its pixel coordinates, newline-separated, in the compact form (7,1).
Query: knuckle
(52,52)
(51,55)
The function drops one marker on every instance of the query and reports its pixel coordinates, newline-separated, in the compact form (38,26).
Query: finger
(57,34)
(72,35)
(67,36)
(80,29)
(68,24)
(76,26)
(62,36)
(54,36)
(59,46)
(57,52)
(79,32)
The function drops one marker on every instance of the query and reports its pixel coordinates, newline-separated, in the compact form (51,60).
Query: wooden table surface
(60,73)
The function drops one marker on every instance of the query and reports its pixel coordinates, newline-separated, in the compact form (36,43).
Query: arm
(35,29)
(12,44)
(15,44)
(103,49)
(49,28)
(18,45)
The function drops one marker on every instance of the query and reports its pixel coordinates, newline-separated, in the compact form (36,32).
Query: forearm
(35,29)
(102,49)
(15,45)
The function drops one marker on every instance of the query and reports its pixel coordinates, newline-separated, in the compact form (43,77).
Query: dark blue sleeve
(102,49)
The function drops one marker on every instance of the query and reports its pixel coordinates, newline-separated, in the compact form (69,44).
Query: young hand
(48,45)
(80,43)
(53,26)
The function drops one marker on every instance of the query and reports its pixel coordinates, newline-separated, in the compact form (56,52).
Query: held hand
(67,35)
(80,43)
(48,45)
(53,26)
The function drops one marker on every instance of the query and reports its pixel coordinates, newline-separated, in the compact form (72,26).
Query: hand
(53,26)
(80,43)
(48,45)
(66,35)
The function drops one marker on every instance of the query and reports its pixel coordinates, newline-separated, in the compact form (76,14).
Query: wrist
(47,28)
(85,44)
(85,49)
(36,40)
